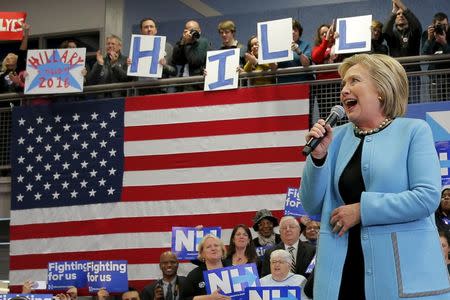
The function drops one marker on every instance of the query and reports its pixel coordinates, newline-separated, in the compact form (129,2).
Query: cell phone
(39,285)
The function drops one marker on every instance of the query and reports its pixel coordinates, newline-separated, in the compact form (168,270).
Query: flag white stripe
(216,112)
(148,209)
(216,143)
(99,242)
(213,174)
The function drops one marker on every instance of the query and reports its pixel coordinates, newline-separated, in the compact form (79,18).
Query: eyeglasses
(278,262)
(286,227)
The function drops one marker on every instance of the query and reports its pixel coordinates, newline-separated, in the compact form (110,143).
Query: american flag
(107,180)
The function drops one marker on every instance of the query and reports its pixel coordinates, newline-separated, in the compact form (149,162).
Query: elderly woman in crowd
(263,224)
(442,214)
(376,201)
(241,249)
(211,255)
(280,272)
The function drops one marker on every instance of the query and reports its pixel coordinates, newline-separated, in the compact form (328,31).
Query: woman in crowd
(323,51)
(302,56)
(263,224)
(375,205)
(442,214)
(211,255)
(241,249)
(9,77)
(280,272)
(13,66)
(252,64)
(377,38)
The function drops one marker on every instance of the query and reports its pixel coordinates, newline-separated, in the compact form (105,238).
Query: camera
(195,34)
(439,29)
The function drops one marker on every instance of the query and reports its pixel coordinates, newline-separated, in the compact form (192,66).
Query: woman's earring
(380,99)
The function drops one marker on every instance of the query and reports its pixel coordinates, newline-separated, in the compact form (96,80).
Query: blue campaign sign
(273,293)
(443,150)
(185,240)
(293,205)
(28,296)
(63,274)
(261,250)
(232,281)
(109,274)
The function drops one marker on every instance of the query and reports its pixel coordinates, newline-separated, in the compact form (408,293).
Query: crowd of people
(289,259)
(401,36)
(381,225)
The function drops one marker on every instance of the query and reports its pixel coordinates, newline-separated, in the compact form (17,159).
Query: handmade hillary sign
(52,71)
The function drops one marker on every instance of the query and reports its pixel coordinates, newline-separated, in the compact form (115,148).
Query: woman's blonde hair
(389,77)
(4,61)
(201,246)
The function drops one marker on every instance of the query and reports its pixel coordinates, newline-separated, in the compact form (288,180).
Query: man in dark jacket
(112,67)
(170,286)
(402,33)
(436,40)
(190,52)
(302,253)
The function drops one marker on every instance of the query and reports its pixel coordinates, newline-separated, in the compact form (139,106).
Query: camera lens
(195,34)
(439,29)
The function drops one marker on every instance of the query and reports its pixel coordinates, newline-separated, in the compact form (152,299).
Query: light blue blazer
(402,253)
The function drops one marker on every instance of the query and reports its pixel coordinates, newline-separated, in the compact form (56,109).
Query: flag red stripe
(209,189)
(243,95)
(126,225)
(222,127)
(214,158)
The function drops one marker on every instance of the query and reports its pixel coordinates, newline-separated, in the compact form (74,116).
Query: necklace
(383,124)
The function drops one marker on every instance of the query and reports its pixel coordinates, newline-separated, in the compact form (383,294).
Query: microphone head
(339,111)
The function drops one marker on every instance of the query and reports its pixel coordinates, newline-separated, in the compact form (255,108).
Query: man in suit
(302,253)
(170,286)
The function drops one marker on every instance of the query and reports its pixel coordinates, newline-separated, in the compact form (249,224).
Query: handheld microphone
(336,113)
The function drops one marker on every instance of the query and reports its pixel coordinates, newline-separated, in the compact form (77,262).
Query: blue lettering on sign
(185,240)
(343,45)
(232,281)
(293,205)
(222,58)
(111,275)
(138,54)
(61,275)
(273,293)
(261,250)
(265,46)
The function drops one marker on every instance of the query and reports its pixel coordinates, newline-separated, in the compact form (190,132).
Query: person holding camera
(435,40)
(170,286)
(190,52)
